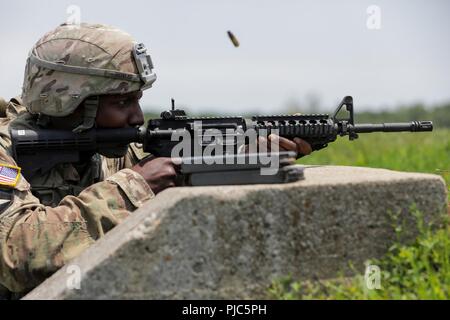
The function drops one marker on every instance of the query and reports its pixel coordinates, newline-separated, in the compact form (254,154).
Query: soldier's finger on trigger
(170,171)
(176,161)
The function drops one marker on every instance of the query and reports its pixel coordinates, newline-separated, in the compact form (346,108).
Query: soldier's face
(119,111)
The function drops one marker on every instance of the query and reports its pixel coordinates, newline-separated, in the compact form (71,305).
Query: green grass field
(419,152)
(420,270)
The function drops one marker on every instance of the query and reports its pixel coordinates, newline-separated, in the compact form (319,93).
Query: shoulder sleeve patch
(9,175)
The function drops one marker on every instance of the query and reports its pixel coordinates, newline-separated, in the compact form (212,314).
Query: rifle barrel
(413,126)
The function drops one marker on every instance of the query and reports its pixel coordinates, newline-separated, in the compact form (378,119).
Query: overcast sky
(290,50)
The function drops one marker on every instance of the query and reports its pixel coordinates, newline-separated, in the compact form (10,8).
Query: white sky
(289,50)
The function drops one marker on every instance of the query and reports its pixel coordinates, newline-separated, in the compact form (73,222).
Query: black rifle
(36,150)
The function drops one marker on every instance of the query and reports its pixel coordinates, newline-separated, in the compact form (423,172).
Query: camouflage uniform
(49,218)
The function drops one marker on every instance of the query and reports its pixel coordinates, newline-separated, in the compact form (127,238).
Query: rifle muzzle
(413,126)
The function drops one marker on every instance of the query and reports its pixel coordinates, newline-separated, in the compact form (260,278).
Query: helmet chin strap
(90,112)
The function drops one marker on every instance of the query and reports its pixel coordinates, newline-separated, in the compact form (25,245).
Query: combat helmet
(76,63)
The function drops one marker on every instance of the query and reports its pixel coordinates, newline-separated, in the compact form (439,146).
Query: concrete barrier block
(230,242)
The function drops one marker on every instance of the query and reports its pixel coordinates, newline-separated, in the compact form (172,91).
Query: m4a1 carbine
(36,150)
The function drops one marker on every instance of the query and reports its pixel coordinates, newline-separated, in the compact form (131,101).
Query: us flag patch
(9,175)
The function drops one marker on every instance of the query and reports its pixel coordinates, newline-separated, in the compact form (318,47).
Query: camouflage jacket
(49,219)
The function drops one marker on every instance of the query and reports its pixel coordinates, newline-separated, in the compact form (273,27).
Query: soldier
(77,77)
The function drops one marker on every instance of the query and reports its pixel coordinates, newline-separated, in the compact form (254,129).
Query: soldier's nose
(136,117)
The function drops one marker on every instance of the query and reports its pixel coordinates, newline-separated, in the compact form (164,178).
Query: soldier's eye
(123,103)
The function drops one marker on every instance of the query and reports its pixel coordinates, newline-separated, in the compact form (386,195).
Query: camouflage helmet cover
(73,62)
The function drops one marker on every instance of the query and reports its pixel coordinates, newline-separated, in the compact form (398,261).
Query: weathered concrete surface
(230,242)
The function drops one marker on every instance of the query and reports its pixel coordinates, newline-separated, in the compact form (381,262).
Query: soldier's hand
(301,147)
(160,173)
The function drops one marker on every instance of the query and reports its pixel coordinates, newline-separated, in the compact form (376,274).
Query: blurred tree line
(440,115)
